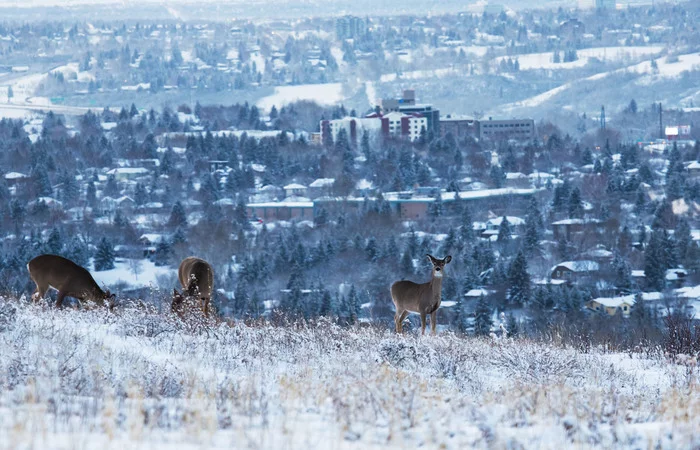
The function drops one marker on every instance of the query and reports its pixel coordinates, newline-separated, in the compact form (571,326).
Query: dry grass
(84,379)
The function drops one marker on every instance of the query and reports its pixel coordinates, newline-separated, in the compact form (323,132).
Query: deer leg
(433,322)
(398,319)
(205,306)
(423,316)
(59,299)
(39,292)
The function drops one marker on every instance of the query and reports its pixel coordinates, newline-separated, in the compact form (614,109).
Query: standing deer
(197,280)
(420,298)
(68,278)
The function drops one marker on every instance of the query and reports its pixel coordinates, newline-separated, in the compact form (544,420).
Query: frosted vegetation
(140,378)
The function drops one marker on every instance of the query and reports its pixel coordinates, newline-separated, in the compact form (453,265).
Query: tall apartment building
(407,105)
(350,27)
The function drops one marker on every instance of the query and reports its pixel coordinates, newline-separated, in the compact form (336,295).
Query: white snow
(134,273)
(323,94)
(137,378)
(607,54)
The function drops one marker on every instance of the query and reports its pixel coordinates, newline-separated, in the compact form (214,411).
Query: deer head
(178,302)
(439,264)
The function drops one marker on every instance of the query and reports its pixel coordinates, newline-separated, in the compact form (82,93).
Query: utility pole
(661,128)
(602,117)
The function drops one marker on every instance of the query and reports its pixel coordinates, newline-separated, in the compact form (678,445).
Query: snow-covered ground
(136,273)
(667,68)
(605,54)
(323,94)
(139,379)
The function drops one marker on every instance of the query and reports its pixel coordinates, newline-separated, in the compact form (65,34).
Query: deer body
(197,280)
(68,278)
(423,298)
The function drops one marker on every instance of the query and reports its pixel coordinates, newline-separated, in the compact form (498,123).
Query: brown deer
(197,280)
(420,298)
(68,278)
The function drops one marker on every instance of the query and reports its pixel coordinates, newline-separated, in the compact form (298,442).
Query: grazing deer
(68,278)
(197,280)
(420,298)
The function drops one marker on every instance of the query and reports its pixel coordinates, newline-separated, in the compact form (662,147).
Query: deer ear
(447,259)
(430,257)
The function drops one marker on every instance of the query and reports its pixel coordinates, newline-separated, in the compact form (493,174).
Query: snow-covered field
(605,54)
(323,94)
(139,379)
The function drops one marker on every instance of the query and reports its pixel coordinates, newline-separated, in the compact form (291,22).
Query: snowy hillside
(136,379)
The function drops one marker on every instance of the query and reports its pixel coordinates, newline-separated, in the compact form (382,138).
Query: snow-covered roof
(513,220)
(15,176)
(638,273)
(575,221)
(478,293)
(151,237)
(690,292)
(616,302)
(322,182)
(515,176)
(579,266)
(295,186)
(125,198)
(675,274)
(128,170)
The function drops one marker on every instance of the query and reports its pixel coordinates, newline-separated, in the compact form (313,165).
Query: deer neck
(435,284)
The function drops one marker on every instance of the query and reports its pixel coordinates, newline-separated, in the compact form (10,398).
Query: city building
(355,127)
(459,126)
(350,27)
(406,125)
(520,129)
(605,4)
(407,105)
(393,123)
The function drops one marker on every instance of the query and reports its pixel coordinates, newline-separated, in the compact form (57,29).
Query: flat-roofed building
(519,129)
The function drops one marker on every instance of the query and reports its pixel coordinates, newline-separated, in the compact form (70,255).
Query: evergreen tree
(91,194)
(241,302)
(104,258)
(326,308)
(140,194)
(178,218)
(655,262)
(482,317)
(54,244)
(519,281)
(683,240)
(78,252)
(163,253)
(623,273)
(504,231)
(460,317)
(575,203)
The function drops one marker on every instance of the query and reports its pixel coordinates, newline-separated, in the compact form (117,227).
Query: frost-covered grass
(139,378)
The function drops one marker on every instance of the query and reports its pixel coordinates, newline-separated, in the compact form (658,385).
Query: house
(574,270)
(624,304)
(128,173)
(320,187)
(675,278)
(567,228)
(517,180)
(493,225)
(288,209)
(295,189)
